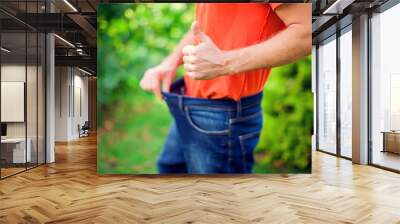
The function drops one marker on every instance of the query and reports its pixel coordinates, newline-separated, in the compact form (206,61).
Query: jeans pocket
(208,120)
(248,143)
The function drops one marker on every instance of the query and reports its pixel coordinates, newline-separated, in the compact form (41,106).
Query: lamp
(70,5)
(65,41)
(337,7)
(5,50)
(84,71)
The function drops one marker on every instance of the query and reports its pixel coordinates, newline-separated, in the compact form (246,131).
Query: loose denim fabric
(210,136)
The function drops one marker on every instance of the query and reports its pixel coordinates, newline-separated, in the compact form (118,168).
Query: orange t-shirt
(232,26)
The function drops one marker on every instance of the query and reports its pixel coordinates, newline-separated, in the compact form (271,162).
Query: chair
(84,130)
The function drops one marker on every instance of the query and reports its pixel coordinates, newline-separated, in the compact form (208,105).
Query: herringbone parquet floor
(70,191)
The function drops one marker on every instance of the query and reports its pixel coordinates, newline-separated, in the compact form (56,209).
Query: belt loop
(239,108)
(180,102)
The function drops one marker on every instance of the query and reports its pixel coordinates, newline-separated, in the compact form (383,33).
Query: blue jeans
(210,136)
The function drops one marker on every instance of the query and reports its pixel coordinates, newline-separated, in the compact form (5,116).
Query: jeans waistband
(177,96)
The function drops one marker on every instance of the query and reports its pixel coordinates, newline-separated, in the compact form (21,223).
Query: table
(391,141)
(13,150)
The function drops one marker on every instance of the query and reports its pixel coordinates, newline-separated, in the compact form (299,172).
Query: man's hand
(163,74)
(205,60)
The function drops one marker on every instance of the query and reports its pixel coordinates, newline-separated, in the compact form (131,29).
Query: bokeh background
(133,124)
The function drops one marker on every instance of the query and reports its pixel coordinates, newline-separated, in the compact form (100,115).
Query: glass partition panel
(41,98)
(14,150)
(31,99)
(346,94)
(22,88)
(385,89)
(327,96)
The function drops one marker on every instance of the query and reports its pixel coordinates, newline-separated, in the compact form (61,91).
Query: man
(227,55)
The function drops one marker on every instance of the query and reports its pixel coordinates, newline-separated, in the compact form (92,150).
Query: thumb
(166,83)
(198,34)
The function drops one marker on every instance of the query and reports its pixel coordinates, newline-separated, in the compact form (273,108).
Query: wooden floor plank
(70,191)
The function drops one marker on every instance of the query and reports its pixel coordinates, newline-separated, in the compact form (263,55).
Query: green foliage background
(133,124)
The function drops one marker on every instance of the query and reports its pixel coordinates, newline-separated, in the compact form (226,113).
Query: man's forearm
(175,58)
(286,47)
(279,50)
(207,61)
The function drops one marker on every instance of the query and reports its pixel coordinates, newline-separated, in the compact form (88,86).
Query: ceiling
(74,22)
(331,15)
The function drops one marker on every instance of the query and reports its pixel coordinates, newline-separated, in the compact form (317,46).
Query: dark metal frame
(45,90)
(0,88)
(338,74)
(26,88)
(369,113)
(316,97)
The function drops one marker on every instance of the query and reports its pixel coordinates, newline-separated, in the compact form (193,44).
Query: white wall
(14,73)
(80,100)
(33,126)
(71,87)
(61,103)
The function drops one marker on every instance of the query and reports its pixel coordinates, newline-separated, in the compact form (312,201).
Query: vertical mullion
(45,87)
(45,96)
(338,73)
(37,89)
(60,88)
(69,93)
(369,90)
(317,97)
(73,92)
(0,94)
(26,85)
